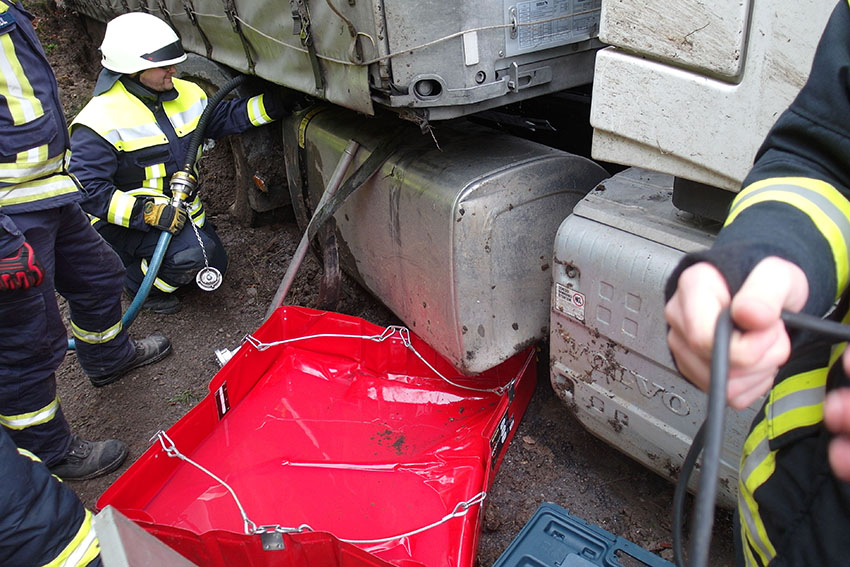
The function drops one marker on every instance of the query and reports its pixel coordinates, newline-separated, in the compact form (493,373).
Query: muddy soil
(552,458)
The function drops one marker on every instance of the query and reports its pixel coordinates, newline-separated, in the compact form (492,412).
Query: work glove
(164,216)
(20,271)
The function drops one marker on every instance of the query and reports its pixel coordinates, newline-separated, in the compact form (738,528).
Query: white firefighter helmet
(137,41)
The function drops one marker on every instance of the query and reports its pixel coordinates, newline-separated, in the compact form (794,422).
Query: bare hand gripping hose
(711,432)
(183,187)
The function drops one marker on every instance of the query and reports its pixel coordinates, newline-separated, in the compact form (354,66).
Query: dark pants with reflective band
(41,518)
(183,257)
(33,341)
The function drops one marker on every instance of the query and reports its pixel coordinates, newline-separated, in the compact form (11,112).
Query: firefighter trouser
(42,522)
(33,341)
(184,257)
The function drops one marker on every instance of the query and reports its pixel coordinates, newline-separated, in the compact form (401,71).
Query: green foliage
(184,397)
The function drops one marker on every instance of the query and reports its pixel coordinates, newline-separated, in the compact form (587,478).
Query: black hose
(200,130)
(712,431)
(833,330)
(714,426)
(681,491)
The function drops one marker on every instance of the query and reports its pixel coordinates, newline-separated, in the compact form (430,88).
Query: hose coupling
(183,187)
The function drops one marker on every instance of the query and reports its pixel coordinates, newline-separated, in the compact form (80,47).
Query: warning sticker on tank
(569,301)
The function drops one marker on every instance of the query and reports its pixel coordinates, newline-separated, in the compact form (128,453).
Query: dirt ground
(552,458)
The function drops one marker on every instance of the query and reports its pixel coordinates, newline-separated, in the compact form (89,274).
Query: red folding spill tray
(328,421)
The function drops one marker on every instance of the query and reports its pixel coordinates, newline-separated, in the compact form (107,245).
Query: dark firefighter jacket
(33,134)
(795,205)
(42,522)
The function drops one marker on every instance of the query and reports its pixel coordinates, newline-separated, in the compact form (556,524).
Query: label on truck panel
(569,301)
(541,24)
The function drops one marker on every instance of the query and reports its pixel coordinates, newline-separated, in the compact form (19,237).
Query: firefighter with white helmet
(133,136)
(137,41)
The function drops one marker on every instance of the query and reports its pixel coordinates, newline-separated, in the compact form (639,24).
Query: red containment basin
(327,423)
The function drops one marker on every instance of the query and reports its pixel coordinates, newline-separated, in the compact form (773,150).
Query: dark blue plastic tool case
(555,538)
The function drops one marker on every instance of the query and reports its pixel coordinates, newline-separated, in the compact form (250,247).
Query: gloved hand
(164,216)
(20,271)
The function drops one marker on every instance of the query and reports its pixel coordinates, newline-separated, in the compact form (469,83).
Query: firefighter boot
(157,301)
(148,350)
(90,459)
(162,303)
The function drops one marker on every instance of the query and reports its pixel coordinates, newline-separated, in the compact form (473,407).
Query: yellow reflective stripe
(31,164)
(30,159)
(154,176)
(158,283)
(96,337)
(27,454)
(17,91)
(157,183)
(37,190)
(257,111)
(798,417)
(138,128)
(197,212)
(130,196)
(120,208)
(3,7)
(138,138)
(796,402)
(33,418)
(33,157)
(820,201)
(195,205)
(752,532)
(82,549)
(749,558)
(147,192)
(758,463)
(200,219)
(186,121)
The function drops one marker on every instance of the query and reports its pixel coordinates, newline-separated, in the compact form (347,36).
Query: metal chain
(390,331)
(208,278)
(200,242)
(252,528)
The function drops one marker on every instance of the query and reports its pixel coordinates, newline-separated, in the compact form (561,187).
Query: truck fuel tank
(454,233)
(608,342)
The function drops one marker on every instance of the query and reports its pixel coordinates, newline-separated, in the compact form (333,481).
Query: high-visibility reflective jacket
(795,204)
(127,143)
(33,134)
(42,522)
